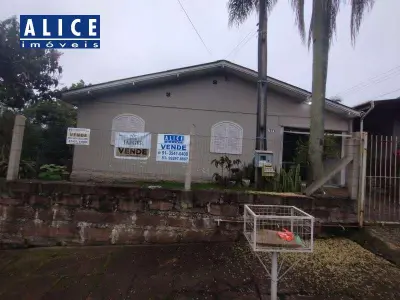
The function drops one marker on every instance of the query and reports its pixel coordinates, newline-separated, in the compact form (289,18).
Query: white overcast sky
(144,36)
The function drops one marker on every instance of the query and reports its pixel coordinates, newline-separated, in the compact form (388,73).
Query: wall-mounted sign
(78,136)
(173,148)
(132,145)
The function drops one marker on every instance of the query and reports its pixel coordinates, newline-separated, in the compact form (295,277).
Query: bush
(53,172)
(332,150)
(26,169)
(285,182)
(230,171)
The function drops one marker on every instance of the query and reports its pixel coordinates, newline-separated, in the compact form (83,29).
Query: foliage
(285,182)
(26,75)
(74,86)
(332,149)
(6,129)
(51,119)
(240,10)
(28,86)
(248,172)
(53,172)
(45,131)
(232,171)
(26,168)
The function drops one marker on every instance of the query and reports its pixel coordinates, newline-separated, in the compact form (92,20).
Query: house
(218,98)
(382,119)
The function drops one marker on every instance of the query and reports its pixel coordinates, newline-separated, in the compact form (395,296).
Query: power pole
(261,133)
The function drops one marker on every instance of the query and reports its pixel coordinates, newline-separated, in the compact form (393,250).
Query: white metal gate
(382,189)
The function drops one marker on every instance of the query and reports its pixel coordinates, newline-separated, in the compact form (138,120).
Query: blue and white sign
(60,31)
(173,148)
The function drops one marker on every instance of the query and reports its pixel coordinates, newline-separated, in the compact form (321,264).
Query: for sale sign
(132,145)
(78,136)
(173,148)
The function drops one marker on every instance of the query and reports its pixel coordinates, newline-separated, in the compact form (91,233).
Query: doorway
(295,151)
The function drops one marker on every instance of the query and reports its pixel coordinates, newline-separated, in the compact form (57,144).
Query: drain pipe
(362,168)
(363,115)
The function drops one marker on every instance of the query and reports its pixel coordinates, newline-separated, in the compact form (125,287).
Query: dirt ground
(338,269)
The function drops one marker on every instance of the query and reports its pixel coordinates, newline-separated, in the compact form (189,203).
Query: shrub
(26,169)
(53,172)
(230,171)
(285,182)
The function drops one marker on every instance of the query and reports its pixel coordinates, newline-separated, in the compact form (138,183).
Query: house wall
(198,102)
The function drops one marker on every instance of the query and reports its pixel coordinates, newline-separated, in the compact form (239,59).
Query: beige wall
(198,102)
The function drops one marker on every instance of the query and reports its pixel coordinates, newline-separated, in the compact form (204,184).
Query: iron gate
(382,188)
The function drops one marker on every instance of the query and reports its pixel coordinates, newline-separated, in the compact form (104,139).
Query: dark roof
(75,95)
(367,104)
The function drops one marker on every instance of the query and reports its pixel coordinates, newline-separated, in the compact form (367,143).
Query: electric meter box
(263,158)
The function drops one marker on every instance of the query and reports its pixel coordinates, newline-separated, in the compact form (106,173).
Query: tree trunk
(261,133)
(320,66)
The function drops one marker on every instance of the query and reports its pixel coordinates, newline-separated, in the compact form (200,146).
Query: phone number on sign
(177,153)
(175,158)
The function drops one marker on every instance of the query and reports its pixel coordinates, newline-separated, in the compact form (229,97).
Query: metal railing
(382,197)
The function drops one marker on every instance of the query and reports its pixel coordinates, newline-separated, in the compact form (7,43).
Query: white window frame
(124,115)
(213,148)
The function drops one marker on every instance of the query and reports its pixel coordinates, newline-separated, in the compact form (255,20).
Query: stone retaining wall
(54,213)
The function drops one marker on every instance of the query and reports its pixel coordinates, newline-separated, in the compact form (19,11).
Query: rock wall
(54,213)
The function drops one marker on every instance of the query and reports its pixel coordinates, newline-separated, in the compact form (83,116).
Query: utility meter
(263,159)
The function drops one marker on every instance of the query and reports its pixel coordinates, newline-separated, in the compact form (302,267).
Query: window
(226,137)
(128,123)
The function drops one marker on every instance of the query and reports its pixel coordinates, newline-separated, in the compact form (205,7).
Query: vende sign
(60,31)
(78,136)
(132,145)
(173,148)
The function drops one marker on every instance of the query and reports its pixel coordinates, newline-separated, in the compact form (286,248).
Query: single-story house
(218,98)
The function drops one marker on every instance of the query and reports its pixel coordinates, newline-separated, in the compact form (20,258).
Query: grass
(194,186)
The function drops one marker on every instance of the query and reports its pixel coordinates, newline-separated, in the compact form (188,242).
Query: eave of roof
(251,75)
(367,104)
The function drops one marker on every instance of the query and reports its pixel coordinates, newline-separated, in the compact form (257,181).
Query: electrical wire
(397,90)
(194,27)
(242,43)
(371,81)
(375,77)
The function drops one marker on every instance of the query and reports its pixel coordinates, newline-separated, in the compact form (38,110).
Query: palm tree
(322,29)
(239,11)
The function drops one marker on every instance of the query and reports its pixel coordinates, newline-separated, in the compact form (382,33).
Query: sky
(145,36)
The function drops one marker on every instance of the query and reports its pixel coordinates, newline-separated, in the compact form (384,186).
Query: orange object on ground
(286,235)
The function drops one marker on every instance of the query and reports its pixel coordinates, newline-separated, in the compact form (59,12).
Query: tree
(45,131)
(239,11)
(322,29)
(53,119)
(26,75)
